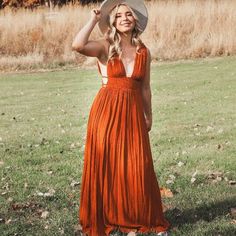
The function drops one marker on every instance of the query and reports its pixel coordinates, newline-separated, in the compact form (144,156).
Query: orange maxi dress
(119,189)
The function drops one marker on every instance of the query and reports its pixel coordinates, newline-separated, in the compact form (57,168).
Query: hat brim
(137,6)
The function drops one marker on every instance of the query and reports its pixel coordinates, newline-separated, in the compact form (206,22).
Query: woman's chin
(125,31)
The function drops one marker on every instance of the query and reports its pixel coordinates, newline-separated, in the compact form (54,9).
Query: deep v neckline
(134,66)
(122,65)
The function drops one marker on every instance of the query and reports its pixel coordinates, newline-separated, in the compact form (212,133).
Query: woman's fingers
(96,14)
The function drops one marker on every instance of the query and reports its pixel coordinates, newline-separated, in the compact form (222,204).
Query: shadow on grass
(227,232)
(206,212)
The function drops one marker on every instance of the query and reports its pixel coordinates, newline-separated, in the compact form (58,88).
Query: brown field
(176,30)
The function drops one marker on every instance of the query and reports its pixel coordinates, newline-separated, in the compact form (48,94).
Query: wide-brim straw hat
(136,5)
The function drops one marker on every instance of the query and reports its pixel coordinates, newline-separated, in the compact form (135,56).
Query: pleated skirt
(119,188)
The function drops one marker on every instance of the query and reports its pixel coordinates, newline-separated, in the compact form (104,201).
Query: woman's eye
(129,14)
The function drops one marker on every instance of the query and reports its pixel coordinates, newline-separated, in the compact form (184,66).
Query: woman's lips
(126,24)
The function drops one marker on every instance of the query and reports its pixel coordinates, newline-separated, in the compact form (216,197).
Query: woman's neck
(126,40)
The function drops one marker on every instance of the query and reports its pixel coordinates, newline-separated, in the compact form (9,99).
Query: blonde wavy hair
(114,38)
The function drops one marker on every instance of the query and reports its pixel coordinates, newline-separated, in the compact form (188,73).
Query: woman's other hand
(148,123)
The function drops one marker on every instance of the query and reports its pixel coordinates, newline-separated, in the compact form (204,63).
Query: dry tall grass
(176,29)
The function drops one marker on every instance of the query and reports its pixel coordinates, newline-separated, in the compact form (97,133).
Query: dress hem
(140,229)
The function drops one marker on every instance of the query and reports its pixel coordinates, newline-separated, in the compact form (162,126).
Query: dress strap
(99,69)
(104,78)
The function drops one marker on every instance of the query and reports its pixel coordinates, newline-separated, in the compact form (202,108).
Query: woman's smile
(126,24)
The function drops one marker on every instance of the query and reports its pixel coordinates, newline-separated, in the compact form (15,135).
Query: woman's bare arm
(81,42)
(146,93)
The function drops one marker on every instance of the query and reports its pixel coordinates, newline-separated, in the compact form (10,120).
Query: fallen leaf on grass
(165,192)
(193,179)
(216,176)
(63,111)
(174,228)
(233,212)
(2,220)
(165,207)
(6,185)
(232,182)
(71,195)
(44,141)
(8,221)
(74,145)
(78,230)
(180,163)
(61,231)
(50,172)
(10,199)
(50,193)
(233,222)
(227,143)
(45,214)
(20,206)
(25,185)
(74,183)
(209,128)
(220,131)
(171,179)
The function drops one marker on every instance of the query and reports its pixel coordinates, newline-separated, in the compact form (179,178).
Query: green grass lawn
(43,118)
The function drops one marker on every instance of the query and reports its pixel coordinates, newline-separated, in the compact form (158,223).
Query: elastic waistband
(122,82)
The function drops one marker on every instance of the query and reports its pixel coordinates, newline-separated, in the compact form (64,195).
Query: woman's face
(124,20)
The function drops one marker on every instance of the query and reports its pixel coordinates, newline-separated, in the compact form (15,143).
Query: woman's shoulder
(145,49)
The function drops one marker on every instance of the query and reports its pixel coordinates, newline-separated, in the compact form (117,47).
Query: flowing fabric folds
(119,186)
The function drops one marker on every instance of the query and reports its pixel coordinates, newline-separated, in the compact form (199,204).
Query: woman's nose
(124,17)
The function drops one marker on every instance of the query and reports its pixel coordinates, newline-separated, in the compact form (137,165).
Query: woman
(119,187)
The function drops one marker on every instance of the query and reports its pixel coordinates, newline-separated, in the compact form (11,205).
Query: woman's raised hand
(96,15)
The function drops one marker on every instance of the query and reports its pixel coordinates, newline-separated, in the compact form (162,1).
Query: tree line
(37,3)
